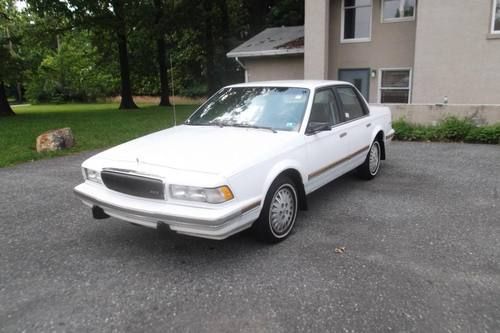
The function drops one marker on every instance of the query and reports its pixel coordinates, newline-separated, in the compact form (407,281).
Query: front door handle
(368,125)
(343,134)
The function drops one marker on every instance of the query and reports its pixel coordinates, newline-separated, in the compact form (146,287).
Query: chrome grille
(131,184)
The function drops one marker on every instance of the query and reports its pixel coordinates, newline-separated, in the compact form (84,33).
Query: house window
(356,20)
(495,21)
(398,10)
(394,86)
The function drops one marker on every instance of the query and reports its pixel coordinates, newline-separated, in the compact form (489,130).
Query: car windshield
(275,108)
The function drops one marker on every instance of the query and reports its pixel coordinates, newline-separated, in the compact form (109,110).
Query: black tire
(276,222)
(365,171)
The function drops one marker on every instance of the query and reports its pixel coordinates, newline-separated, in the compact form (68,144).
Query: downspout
(242,66)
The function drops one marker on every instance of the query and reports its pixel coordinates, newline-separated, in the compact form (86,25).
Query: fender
(375,131)
(378,129)
(279,168)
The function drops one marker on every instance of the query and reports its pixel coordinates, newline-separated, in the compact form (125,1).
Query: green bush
(71,74)
(486,134)
(454,129)
(451,129)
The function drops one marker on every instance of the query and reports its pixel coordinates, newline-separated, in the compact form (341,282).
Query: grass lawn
(94,126)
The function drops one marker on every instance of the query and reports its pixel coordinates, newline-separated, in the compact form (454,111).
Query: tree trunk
(162,65)
(210,49)
(19,93)
(127,101)
(161,53)
(5,109)
(226,35)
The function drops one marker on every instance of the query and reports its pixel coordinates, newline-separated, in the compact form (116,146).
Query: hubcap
(374,160)
(283,210)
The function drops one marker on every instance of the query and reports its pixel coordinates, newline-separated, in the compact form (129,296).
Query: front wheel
(279,213)
(370,167)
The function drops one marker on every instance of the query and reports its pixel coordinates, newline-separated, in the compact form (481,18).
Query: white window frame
(379,90)
(493,15)
(396,19)
(342,22)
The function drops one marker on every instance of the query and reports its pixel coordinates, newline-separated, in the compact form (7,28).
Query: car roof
(309,84)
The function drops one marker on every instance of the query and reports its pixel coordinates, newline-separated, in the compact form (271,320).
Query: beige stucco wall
(391,46)
(429,114)
(454,56)
(275,68)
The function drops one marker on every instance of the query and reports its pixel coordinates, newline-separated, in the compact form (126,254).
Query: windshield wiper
(253,126)
(214,123)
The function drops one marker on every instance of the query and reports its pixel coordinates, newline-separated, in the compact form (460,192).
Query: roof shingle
(271,42)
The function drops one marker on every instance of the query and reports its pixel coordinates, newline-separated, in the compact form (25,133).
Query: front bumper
(214,223)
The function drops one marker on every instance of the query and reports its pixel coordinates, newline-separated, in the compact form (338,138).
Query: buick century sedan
(247,158)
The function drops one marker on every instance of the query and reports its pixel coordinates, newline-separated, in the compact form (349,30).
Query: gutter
(242,66)
(274,52)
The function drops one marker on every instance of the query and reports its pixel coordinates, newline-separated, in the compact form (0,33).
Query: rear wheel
(279,213)
(370,167)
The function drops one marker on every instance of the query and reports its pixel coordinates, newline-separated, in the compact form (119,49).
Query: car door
(355,117)
(325,148)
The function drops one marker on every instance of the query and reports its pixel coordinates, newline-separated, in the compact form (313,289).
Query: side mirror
(316,127)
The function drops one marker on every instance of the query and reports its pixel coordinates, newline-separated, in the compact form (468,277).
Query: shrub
(454,129)
(450,129)
(485,134)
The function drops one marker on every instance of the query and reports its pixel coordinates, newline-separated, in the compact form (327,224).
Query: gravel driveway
(422,254)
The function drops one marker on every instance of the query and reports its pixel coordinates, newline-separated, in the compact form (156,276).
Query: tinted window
(352,107)
(324,108)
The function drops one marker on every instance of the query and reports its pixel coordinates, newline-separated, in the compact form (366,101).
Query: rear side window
(352,106)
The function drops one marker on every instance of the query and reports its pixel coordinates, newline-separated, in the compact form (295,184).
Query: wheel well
(380,139)
(297,179)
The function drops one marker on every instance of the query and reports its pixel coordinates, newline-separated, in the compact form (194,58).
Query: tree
(9,61)
(71,72)
(160,25)
(5,109)
(286,13)
(119,18)
(112,16)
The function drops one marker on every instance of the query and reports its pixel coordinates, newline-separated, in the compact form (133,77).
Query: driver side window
(324,108)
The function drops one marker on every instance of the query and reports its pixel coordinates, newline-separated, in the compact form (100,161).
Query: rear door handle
(343,134)
(368,125)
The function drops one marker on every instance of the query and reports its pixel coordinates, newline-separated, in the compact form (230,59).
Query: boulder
(55,140)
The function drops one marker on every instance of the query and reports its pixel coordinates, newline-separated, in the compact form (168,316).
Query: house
(275,53)
(395,51)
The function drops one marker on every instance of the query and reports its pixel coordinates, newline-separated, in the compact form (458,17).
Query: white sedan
(247,158)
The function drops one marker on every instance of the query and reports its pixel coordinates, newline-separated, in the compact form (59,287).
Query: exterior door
(326,148)
(360,78)
(357,124)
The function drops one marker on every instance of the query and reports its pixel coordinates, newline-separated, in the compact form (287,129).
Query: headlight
(92,175)
(210,195)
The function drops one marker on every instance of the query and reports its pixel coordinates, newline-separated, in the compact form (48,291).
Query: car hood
(207,149)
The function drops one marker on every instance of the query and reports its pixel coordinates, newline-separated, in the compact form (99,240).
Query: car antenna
(173,90)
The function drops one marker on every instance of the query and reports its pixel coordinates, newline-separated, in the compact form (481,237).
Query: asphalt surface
(422,253)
